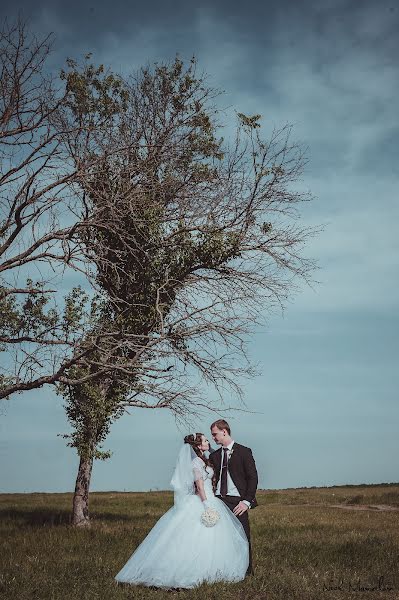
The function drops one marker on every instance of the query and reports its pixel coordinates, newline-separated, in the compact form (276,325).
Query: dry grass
(302,544)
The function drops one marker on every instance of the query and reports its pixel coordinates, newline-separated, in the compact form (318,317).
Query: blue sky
(325,408)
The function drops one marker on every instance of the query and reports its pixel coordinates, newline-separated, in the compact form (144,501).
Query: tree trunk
(80,516)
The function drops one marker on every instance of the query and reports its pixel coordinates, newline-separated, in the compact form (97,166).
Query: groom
(237,476)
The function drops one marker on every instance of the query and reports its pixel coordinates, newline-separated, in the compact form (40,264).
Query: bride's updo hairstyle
(195,441)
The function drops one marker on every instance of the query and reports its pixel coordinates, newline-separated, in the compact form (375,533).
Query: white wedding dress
(181,552)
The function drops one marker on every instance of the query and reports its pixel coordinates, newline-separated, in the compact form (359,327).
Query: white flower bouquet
(210,517)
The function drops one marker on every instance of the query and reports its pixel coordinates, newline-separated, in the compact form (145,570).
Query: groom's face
(218,434)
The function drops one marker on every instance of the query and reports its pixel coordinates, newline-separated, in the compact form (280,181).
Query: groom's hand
(240,508)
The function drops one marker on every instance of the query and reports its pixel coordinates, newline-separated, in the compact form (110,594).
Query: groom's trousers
(231,502)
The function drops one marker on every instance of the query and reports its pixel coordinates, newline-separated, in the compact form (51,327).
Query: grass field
(305,542)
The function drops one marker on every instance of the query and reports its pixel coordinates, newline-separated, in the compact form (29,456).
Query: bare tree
(201,240)
(41,208)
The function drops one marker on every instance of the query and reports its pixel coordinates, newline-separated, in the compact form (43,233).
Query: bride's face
(204,444)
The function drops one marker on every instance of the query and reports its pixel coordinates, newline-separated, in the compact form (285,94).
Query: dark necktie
(223,480)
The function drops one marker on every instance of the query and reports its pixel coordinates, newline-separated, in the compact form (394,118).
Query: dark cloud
(89,23)
(333,26)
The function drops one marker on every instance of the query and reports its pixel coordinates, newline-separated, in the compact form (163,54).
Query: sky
(324,410)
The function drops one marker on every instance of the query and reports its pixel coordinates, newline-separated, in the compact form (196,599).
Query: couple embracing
(205,536)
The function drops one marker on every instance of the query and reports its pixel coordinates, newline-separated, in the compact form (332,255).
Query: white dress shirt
(231,488)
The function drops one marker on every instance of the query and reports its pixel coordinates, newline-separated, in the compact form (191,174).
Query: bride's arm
(199,484)
(199,479)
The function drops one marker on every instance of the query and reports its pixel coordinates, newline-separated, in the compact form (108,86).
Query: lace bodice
(202,471)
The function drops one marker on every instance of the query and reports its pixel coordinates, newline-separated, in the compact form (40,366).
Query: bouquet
(210,517)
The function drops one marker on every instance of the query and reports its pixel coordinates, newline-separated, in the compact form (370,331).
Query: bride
(186,546)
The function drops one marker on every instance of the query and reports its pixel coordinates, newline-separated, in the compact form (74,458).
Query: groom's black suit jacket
(242,470)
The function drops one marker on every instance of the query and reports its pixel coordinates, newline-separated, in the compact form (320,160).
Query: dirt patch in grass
(364,506)
(385,507)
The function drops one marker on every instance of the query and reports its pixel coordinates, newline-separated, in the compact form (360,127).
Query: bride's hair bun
(189,439)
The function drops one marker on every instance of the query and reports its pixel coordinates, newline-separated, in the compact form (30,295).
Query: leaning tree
(199,239)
